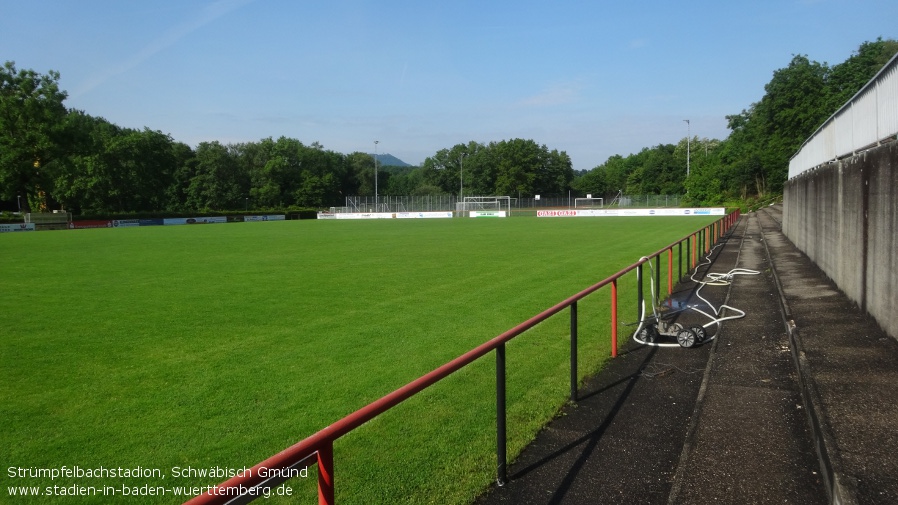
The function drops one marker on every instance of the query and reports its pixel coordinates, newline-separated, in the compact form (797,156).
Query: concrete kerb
(839,490)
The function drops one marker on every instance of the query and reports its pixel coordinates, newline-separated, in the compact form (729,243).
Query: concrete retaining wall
(844,216)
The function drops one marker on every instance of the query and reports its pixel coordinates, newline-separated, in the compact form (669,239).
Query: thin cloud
(207,15)
(556,95)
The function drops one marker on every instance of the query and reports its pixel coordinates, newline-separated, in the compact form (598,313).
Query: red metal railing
(318,448)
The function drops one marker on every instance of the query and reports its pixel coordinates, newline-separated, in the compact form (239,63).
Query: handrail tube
(321,442)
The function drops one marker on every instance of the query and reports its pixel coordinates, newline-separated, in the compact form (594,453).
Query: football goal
(589,203)
(483,203)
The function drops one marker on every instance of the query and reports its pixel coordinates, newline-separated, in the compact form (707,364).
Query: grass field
(218,346)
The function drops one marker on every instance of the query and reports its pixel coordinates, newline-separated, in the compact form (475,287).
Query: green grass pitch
(220,345)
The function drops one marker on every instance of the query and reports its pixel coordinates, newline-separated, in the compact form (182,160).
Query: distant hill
(388,160)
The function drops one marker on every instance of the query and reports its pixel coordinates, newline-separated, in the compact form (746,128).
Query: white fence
(867,120)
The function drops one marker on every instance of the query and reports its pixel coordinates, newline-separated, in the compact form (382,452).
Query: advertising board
(716,211)
(194,220)
(423,215)
(82,225)
(270,217)
(4,228)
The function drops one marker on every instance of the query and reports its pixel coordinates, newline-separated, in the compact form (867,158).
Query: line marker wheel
(648,334)
(700,333)
(686,338)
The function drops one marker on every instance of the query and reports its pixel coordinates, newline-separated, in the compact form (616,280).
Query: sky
(590,78)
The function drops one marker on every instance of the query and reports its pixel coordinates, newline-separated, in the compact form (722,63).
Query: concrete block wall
(844,216)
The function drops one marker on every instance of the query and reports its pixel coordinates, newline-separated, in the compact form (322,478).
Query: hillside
(388,160)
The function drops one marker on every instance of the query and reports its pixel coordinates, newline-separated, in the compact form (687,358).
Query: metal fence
(868,119)
(448,203)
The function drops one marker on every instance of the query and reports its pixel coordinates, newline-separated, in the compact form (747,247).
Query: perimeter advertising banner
(273,217)
(487,213)
(423,215)
(365,215)
(125,223)
(82,225)
(718,211)
(386,215)
(4,228)
(194,220)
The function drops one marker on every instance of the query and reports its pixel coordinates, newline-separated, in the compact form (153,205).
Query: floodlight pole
(375,176)
(688,140)
(461,175)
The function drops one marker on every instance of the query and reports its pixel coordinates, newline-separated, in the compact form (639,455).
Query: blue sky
(593,79)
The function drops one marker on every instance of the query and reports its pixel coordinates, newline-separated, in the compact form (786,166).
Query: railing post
(694,250)
(680,261)
(501,477)
(658,276)
(670,271)
(326,474)
(639,292)
(574,352)
(614,318)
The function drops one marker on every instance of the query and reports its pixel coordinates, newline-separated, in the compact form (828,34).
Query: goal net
(589,203)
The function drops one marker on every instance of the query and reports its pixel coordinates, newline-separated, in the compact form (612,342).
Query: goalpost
(589,203)
(483,203)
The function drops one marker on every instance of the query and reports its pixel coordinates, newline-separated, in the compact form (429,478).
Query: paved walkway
(794,403)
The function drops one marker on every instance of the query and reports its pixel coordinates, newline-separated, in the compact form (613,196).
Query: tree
(359,178)
(31,118)
(320,175)
(185,168)
(593,182)
(846,78)
(442,170)
(111,169)
(83,182)
(219,181)
(518,161)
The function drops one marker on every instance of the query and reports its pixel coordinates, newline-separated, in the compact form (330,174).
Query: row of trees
(52,157)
